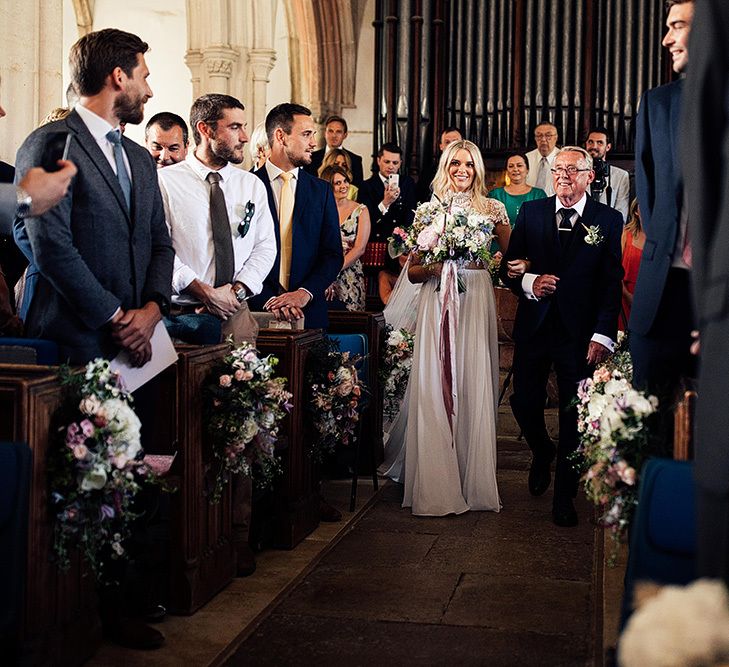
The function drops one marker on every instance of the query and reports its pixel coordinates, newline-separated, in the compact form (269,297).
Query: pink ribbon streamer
(448,327)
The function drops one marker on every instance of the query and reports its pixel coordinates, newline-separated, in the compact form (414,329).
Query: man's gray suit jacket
(92,253)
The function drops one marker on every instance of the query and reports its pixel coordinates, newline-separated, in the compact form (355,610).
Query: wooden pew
(201,553)
(60,623)
(373,326)
(294,511)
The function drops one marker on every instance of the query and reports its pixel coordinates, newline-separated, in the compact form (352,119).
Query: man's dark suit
(316,246)
(661,317)
(93,256)
(401,211)
(317,157)
(705,153)
(558,329)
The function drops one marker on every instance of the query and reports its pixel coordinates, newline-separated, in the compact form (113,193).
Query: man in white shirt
(611,184)
(542,157)
(213,274)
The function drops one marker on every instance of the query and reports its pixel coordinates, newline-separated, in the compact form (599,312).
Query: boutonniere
(245,213)
(593,235)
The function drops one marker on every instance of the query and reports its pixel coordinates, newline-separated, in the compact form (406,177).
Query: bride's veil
(401,311)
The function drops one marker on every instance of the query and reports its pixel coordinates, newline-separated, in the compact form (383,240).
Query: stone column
(261,63)
(31,58)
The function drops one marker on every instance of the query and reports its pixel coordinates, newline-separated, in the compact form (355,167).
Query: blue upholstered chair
(28,351)
(356,345)
(663,534)
(15,461)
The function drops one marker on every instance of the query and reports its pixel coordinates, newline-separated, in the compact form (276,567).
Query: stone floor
(476,589)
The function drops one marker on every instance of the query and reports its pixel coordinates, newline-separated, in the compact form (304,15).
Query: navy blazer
(93,254)
(400,213)
(659,188)
(317,254)
(589,291)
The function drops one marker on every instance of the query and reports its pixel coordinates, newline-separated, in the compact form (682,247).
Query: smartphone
(394,180)
(55,149)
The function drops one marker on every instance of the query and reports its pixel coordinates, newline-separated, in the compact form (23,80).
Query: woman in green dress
(512,196)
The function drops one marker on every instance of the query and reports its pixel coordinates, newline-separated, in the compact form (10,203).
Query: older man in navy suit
(309,244)
(662,316)
(563,262)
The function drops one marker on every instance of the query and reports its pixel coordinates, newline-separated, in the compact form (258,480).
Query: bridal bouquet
(245,407)
(397,360)
(612,418)
(336,393)
(96,471)
(439,233)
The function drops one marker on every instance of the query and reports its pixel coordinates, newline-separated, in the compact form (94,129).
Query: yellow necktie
(285,219)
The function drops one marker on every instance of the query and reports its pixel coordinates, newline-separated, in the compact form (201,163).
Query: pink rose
(243,376)
(225,380)
(427,238)
(80,452)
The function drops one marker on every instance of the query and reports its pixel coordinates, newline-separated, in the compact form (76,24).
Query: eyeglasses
(245,224)
(571,171)
(545,135)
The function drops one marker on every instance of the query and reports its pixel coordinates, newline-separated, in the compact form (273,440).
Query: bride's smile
(462,170)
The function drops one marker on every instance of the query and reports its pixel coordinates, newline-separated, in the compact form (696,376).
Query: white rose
(89,405)
(94,479)
(250,428)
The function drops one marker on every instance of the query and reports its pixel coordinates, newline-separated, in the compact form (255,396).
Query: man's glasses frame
(571,171)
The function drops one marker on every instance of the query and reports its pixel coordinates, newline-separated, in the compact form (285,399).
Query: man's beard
(128,109)
(299,160)
(223,153)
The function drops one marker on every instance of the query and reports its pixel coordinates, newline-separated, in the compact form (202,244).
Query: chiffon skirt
(453,472)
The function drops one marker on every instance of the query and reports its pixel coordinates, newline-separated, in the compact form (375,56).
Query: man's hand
(518,267)
(220,301)
(289,305)
(695,342)
(133,329)
(391,194)
(596,353)
(544,285)
(45,188)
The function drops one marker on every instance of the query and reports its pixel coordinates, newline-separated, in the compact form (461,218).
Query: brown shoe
(132,633)
(328,513)
(245,560)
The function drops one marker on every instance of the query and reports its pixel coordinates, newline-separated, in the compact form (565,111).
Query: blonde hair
(258,141)
(59,113)
(633,226)
(330,160)
(443,185)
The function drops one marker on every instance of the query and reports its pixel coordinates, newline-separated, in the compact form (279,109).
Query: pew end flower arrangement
(245,405)
(96,468)
(397,362)
(614,425)
(337,394)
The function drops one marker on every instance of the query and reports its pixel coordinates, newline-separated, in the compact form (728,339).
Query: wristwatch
(25,202)
(240,294)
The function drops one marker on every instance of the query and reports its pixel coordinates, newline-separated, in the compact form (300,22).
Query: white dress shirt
(186,199)
(527,281)
(99,128)
(534,157)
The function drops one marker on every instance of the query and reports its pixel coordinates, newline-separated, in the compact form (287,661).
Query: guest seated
(354,225)
(340,158)
(632,242)
(517,190)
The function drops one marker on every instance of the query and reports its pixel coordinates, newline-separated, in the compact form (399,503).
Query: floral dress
(350,283)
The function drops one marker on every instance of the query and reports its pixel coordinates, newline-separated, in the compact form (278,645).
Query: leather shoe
(563,513)
(156,613)
(328,513)
(540,474)
(132,633)
(245,561)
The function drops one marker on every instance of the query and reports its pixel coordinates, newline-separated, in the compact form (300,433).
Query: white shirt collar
(274,172)
(382,178)
(97,125)
(202,170)
(578,208)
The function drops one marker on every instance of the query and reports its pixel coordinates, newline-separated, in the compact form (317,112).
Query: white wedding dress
(453,472)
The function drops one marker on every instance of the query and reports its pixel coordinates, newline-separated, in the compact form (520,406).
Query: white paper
(163,355)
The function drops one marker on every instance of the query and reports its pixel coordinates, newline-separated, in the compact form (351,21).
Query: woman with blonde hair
(450,445)
(336,157)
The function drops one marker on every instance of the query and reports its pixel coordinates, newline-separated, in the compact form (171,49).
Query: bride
(450,444)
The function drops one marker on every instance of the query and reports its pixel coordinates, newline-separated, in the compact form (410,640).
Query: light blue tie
(114,137)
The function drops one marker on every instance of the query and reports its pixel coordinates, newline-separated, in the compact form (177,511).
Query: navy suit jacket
(316,246)
(317,157)
(659,188)
(93,255)
(589,291)
(400,213)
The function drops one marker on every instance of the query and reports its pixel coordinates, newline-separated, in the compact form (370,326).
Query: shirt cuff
(181,279)
(604,340)
(118,308)
(527,284)
(382,207)
(311,296)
